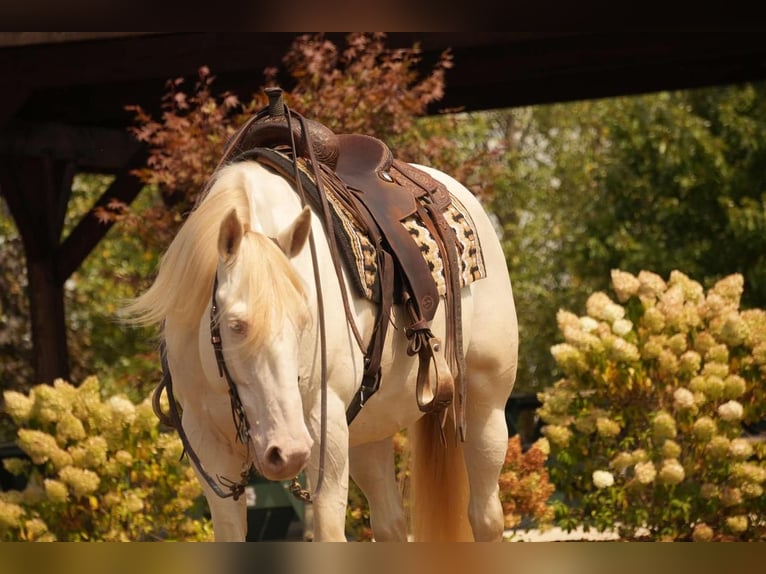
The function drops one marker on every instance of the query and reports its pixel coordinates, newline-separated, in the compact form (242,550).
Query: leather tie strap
(435,385)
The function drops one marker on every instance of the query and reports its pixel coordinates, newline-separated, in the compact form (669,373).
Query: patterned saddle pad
(359,251)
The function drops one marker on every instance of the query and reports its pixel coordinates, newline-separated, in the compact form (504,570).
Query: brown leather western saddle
(380,191)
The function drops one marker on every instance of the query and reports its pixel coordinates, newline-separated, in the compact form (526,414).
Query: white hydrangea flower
(755,319)
(740,449)
(133,502)
(35,528)
(18,406)
(42,447)
(683,399)
(651,285)
(663,426)
(752,490)
(69,427)
(557,434)
(55,490)
(145,420)
(718,355)
(49,406)
(690,363)
(543,445)
(622,461)
(90,453)
(734,330)
(588,324)
(667,363)
(123,410)
(622,327)
(693,291)
(704,429)
(731,411)
(569,358)
(653,347)
(625,285)
(671,449)
(653,320)
(702,533)
(748,471)
(607,427)
(584,341)
(671,303)
(734,387)
(600,306)
(645,472)
(719,447)
(731,496)
(566,319)
(623,351)
(737,523)
(10,514)
(672,472)
(713,387)
(640,455)
(730,288)
(603,478)
(81,481)
(703,342)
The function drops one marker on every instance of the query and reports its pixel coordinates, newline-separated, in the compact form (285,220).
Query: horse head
(260,312)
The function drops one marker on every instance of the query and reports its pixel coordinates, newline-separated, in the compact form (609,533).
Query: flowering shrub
(648,425)
(525,488)
(97,470)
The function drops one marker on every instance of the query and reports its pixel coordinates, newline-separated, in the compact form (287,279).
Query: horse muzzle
(284,460)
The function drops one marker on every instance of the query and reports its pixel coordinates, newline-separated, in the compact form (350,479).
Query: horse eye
(238,327)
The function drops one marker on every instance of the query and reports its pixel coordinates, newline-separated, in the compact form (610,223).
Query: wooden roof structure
(63,98)
(87,77)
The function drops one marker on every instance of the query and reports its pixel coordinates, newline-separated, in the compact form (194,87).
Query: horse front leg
(220,458)
(330,502)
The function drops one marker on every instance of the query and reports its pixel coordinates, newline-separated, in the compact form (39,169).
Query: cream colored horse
(251,232)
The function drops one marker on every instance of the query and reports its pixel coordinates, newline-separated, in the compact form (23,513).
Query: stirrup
(435,384)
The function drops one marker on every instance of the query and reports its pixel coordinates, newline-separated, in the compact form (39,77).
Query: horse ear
(292,239)
(229,236)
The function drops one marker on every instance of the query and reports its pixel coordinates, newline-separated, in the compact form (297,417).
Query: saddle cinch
(380,192)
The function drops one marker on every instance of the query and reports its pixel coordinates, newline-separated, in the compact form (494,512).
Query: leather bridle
(235,489)
(225,487)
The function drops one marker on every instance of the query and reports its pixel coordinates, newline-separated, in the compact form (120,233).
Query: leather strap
(435,386)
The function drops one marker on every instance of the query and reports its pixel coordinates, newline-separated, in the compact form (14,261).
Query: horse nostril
(274,456)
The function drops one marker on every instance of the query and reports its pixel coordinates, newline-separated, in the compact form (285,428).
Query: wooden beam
(30,188)
(91,148)
(89,230)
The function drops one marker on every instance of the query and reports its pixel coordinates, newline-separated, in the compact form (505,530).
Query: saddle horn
(271,129)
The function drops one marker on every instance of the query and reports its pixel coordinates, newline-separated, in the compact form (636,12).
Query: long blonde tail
(438,485)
